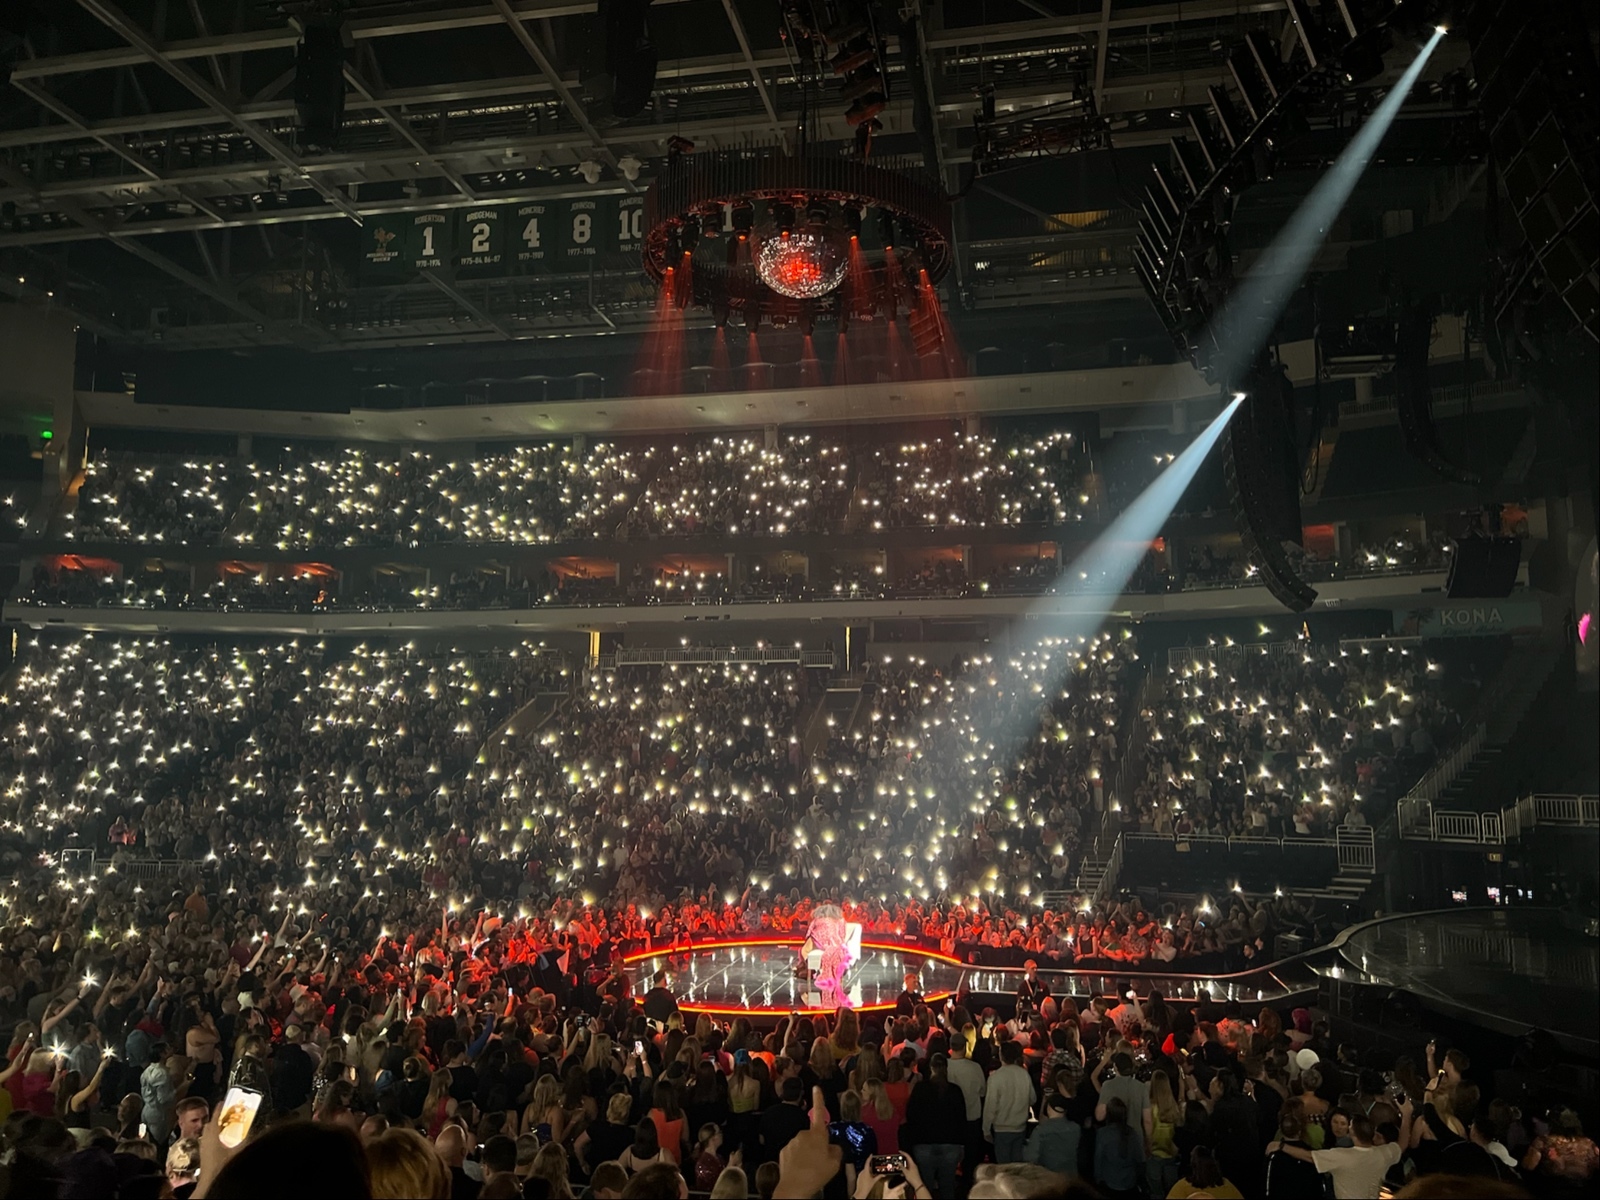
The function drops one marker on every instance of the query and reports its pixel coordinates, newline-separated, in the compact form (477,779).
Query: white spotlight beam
(1248,315)
(1097,577)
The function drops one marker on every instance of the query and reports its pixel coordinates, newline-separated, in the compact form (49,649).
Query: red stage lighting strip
(759,1011)
(740,943)
(750,1010)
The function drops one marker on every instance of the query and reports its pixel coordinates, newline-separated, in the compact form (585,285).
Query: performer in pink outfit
(829,935)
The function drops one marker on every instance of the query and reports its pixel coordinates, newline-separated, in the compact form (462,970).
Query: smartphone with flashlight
(237,1114)
(638,1048)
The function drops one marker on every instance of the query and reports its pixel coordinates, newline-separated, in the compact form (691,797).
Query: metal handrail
(698,655)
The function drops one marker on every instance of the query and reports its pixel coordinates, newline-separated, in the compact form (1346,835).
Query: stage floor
(756,978)
(1522,966)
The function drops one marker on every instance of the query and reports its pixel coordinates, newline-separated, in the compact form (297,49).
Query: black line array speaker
(1537,86)
(1263,480)
(1414,394)
(319,86)
(1483,568)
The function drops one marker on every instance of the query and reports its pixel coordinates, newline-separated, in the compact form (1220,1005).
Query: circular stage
(755,977)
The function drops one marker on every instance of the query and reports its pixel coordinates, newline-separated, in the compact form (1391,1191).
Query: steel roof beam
(264,217)
(288,38)
(1133,17)
(645,138)
(403,128)
(115,20)
(115,145)
(737,25)
(466,305)
(558,85)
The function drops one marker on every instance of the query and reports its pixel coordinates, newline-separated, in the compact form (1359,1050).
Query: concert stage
(755,977)
(1503,968)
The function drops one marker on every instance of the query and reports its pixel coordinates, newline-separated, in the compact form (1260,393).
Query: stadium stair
(837,702)
(1481,783)
(529,718)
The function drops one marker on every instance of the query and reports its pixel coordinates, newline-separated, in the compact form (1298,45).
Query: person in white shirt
(1007,1106)
(1358,1171)
(974,1084)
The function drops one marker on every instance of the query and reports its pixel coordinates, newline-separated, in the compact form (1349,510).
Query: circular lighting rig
(794,239)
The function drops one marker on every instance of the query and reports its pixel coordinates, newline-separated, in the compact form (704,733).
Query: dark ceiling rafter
(459,142)
(287,38)
(736,23)
(466,305)
(401,126)
(547,68)
(134,246)
(115,20)
(114,144)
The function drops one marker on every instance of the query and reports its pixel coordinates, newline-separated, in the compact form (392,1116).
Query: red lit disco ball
(802,264)
(861,239)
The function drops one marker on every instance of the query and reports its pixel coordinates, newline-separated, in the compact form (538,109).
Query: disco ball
(802,264)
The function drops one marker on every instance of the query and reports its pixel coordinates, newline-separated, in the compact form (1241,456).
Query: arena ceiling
(151,182)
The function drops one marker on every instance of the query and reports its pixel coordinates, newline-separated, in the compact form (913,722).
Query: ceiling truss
(455,142)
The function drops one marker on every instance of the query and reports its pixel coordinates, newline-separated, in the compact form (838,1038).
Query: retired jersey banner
(479,247)
(530,228)
(428,246)
(576,236)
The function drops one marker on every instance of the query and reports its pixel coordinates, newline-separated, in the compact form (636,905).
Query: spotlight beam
(1243,326)
(1102,571)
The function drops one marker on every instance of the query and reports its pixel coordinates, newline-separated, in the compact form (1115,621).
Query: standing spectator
(1290,1176)
(1118,1154)
(1236,1132)
(1358,1172)
(935,1129)
(160,1092)
(672,1128)
(974,1084)
(882,1115)
(1055,1140)
(1006,1108)
(1124,1086)
(659,1002)
(857,1141)
(782,1121)
(1162,1163)
(646,1150)
(453,1145)
(1205,1176)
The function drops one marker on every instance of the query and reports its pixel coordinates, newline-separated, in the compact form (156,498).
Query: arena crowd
(405,880)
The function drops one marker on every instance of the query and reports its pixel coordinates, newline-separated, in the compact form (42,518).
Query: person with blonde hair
(847,1035)
(405,1165)
(1161,1164)
(544,1117)
(438,1106)
(605,1140)
(183,1162)
(550,1165)
(600,1054)
(880,1114)
(732,1184)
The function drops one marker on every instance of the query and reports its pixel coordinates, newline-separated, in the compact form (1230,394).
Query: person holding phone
(899,1175)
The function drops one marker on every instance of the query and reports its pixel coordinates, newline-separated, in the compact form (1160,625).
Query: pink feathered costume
(829,934)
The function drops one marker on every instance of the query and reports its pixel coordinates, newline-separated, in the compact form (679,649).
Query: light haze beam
(1098,576)
(1249,314)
